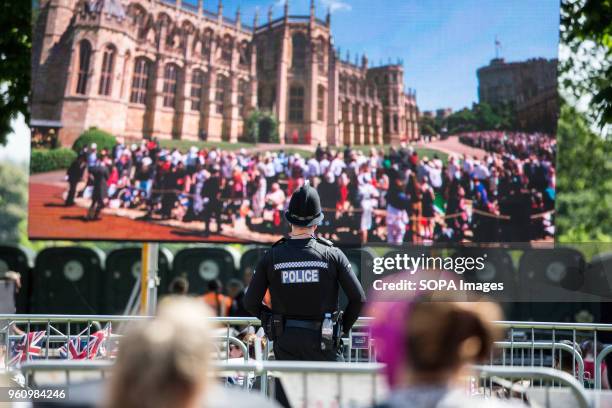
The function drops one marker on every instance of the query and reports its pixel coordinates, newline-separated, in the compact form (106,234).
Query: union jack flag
(87,350)
(28,348)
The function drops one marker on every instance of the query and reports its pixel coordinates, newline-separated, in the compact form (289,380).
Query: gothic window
(197,82)
(242,91)
(261,97)
(244,58)
(345,112)
(276,54)
(342,86)
(356,114)
(353,87)
(220,93)
(170,85)
(296,104)
(395,123)
(140,80)
(298,61)
(174,39)
(321,56)
(84,59)
(106,74)
(321,103)
(226,50)
(267,53)
(206,44)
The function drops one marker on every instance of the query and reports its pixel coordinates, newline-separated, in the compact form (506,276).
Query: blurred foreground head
(443,337)
(430,342)
(163,363)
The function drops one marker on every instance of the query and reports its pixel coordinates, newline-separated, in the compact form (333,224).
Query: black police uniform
(304,276)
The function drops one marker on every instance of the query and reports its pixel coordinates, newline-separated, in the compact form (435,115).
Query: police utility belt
(330,327)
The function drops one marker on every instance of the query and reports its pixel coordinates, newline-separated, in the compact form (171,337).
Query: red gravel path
(49,219)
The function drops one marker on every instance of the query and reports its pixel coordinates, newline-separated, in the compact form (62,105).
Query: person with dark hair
(211,192)
(589,353)
(566,361)
(74,175)
(236,291)
(428,347)
(304,275)
(398,205)
(216,300)
(100,173)
(319,152)
(178,286)
(428,210)
(329,192)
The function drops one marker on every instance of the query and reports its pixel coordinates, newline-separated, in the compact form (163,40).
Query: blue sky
(442,42)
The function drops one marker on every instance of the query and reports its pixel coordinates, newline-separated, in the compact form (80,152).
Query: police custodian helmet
(305,207)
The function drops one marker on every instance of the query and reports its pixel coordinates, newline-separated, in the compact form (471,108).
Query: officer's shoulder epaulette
(280,241)
(324,241)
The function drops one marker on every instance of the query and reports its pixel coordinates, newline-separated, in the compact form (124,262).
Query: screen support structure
(148,279)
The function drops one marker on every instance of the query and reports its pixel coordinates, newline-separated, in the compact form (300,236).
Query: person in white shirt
(468,164)
(324,164)
(313,168)
(276,197)
(337,165)
(367,195)
(481,171)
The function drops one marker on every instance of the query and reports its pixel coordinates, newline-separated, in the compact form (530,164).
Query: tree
(584,182)
(13,201)
(268,128)
(103,140)
(427,125)
(584,186)
(15,47)
(261,126)
(251,127)
(486,117)
(461,121)
(587,32)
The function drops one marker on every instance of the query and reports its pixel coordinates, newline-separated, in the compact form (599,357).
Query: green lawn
(184,145)
(422,151)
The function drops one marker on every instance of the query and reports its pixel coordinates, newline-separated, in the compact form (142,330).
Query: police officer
(304,274)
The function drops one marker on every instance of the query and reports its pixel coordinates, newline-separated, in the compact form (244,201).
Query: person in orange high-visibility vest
(217,301)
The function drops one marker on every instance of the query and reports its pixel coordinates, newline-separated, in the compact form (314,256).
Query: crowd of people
(371,195)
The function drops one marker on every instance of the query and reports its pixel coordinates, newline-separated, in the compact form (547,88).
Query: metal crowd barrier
(578,362)
(600,358)
(527,344)
(264,368)
(554,332)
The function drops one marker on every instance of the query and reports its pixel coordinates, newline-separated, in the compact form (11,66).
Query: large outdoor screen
(416,121)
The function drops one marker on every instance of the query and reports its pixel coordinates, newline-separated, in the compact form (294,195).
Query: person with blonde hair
(164,363)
